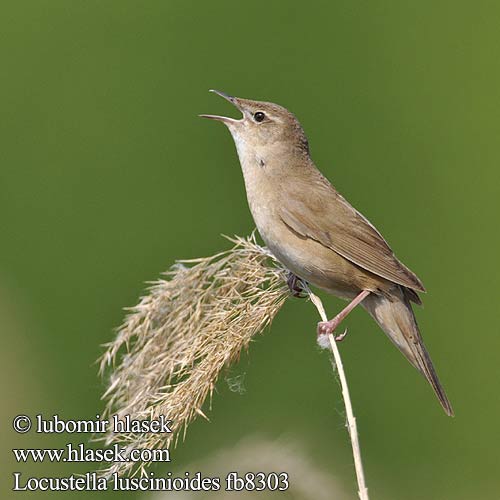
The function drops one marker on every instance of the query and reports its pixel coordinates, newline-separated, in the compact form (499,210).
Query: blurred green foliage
(107,176)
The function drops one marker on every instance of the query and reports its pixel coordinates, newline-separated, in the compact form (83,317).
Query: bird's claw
(295,286)
(328,327)
(324,328)
(341,337)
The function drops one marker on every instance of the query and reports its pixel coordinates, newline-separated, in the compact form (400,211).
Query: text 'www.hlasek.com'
(97,481)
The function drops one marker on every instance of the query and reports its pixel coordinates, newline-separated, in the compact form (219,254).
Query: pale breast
(305,257)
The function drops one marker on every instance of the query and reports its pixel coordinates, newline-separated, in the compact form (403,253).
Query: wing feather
(333,222)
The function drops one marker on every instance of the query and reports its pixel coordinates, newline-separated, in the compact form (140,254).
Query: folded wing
(322,214)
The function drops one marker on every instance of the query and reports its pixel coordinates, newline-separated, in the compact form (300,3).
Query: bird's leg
(295,285)
(327,327)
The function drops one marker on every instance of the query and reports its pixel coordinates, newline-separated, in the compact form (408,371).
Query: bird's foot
(295,285)
(328,327)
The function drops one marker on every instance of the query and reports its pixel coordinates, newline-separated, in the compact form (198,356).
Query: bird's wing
(320,213)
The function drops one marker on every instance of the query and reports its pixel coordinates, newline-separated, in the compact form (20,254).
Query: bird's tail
(395,316)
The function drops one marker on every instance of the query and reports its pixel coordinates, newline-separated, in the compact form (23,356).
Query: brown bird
(316,234)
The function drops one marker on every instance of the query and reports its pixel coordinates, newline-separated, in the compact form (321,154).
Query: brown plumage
(318,235)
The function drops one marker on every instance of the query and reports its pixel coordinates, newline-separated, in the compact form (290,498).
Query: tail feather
(395,316)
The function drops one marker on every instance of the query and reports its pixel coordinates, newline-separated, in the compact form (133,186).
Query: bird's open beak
(224,119)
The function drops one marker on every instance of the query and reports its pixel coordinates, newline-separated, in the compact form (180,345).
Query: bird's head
(263,125)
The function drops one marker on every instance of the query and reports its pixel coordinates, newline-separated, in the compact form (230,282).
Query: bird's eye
(259,116)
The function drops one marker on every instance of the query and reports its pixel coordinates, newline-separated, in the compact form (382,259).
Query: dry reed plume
(169,352)
(173,345)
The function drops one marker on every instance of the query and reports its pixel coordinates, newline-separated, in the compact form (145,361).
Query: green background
(107,176)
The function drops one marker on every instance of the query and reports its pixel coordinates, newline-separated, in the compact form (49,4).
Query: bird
(316,234)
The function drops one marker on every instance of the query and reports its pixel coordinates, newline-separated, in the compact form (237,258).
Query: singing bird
(316,234)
